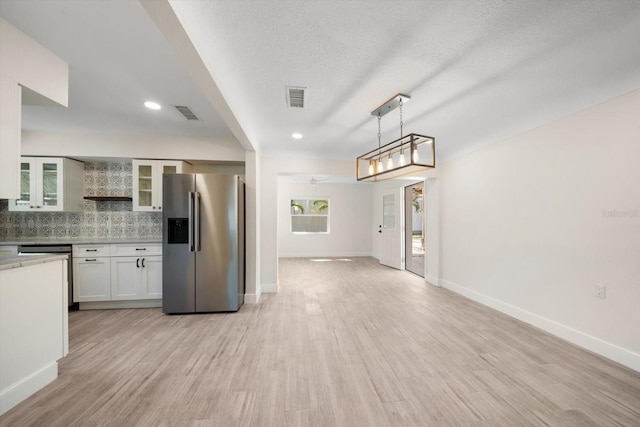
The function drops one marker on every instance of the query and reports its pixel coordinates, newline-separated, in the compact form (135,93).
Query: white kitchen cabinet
(136,271)
(135,249)
(50,184)
(147,182)
(91,279)
(91,250)
(151,278)
(117,272)
(125,275)
(136,278)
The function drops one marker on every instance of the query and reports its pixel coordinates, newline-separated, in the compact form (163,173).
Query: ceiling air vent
(295,96)
(186,112)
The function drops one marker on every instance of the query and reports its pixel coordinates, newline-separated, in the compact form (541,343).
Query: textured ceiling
(478,71)
(117,59)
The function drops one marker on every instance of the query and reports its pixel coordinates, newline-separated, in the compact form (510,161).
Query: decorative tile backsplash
(104,220)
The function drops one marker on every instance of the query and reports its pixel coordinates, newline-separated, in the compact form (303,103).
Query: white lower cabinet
(125,273)
(151,283)
(130,272)
(91,279)
(136,277)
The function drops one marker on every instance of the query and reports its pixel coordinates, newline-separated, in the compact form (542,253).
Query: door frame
(408,229)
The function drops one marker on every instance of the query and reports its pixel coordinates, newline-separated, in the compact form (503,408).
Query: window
(310,216)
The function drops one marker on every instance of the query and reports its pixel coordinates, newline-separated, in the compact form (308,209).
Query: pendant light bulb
(416,157)
(371,168)
(380,166)
(389,163)
(402,159)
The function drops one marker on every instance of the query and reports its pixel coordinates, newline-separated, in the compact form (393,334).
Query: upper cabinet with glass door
(147,182)
(50,184)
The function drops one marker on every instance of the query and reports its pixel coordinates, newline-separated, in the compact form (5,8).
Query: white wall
(350,220)
(130,146)
(252,227)
(23,62)
(529,225)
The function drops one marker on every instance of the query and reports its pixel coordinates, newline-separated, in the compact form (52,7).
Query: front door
(390,231)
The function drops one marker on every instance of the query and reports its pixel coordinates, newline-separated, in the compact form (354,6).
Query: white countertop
(7,263)
(78,241)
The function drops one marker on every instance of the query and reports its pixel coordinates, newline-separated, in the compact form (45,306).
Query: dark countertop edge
(25,261)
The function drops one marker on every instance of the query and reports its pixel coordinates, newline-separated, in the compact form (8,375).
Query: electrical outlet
(599,291)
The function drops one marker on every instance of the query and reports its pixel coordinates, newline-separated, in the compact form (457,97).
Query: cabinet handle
(141,249)
(91,260)
(154,207)
(138,263)
(142,262)
(91,250)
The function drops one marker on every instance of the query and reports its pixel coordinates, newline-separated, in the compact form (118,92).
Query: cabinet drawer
(90,251)
(132,249)
(9,251)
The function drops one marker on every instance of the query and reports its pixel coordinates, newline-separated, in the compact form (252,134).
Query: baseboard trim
(251,298)
(19,391)
(324,255)
(107,305)
(603,348)
(433,280)
(270,288)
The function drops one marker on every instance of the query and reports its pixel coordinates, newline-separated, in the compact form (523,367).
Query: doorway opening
(414,248)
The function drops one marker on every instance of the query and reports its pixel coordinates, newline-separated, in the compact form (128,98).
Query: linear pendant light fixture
(406,155)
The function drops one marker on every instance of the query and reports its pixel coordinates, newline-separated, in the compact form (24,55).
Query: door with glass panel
(414,229)
(390,231)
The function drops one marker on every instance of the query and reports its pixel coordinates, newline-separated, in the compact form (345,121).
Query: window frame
(309,200)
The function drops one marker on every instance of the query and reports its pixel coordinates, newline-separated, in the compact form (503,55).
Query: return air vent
(186,112)
(295,96)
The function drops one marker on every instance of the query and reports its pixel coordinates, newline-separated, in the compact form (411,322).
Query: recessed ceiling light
(296,135)
(152,105)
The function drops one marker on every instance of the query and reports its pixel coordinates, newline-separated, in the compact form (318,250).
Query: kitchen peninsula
(34,331)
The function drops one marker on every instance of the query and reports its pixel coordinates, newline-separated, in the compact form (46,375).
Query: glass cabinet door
(26,181)
(169,169)
(145,185)
(147,182)
(40,185)
(165,167)
(50,184)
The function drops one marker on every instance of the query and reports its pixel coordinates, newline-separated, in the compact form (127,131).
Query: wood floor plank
(343,343)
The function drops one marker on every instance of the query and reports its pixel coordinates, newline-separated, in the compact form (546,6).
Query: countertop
(7,263)
(78,241)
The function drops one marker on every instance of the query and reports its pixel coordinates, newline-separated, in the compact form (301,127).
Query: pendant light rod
(390,105)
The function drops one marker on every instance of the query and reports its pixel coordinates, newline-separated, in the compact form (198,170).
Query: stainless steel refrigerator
(203,244)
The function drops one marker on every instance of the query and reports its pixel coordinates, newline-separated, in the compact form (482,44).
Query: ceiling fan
(314,180)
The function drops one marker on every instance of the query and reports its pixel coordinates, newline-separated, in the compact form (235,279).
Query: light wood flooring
(344,343)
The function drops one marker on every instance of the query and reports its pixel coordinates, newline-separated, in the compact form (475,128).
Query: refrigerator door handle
(190,221)
(197,224)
